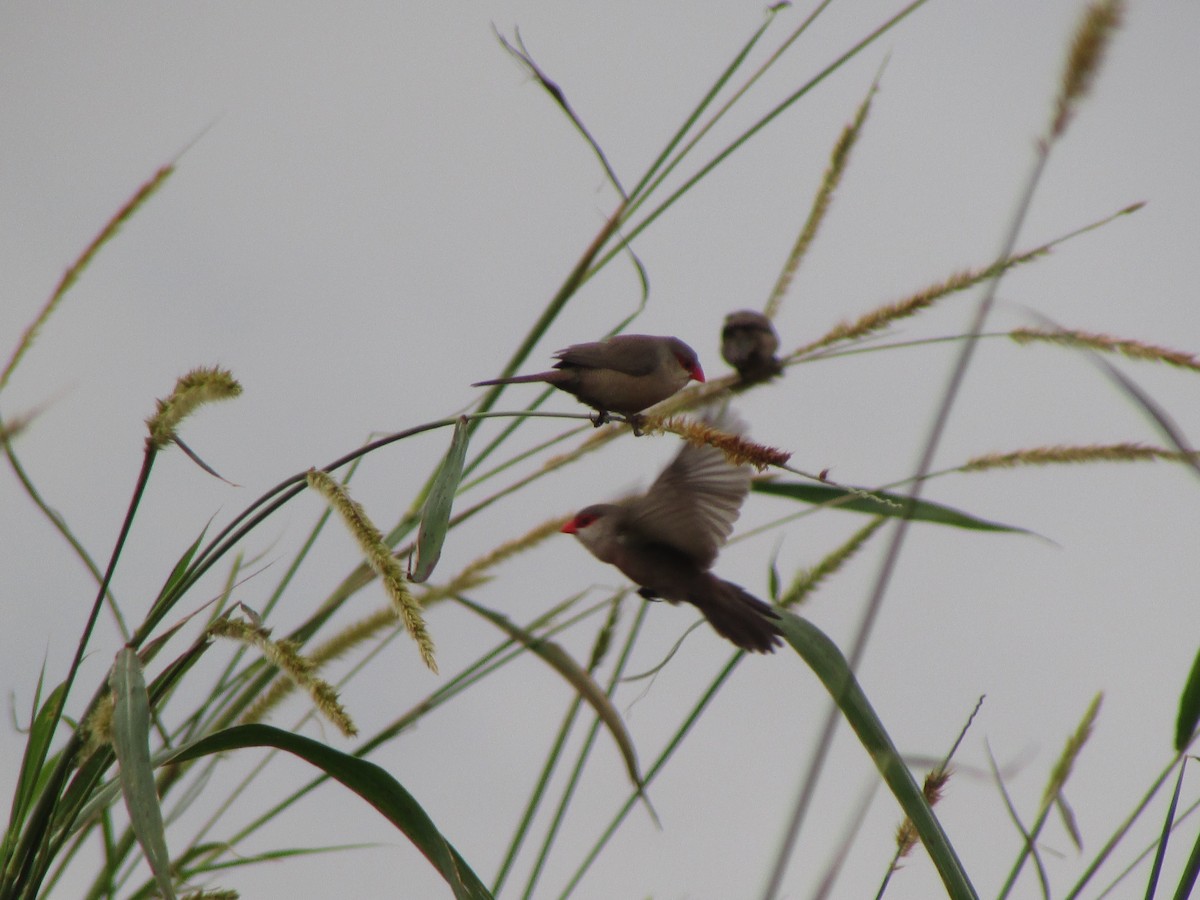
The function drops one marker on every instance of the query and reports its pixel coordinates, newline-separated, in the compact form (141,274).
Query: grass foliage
(90,747)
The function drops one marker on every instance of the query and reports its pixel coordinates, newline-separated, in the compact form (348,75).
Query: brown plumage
(667,539)
(749,343)
(623,374)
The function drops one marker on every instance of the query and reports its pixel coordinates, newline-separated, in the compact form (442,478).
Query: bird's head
(687,359)
(597,528)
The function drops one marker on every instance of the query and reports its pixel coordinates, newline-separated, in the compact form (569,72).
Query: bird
(623,374)
(666,540)
(748,343)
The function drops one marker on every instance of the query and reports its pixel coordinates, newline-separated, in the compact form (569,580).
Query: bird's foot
(636,421)
(601,418)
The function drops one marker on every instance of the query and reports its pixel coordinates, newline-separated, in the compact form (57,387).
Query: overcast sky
(374,203)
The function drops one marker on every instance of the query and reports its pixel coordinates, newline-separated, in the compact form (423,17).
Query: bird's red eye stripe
(578,522)
(693,367)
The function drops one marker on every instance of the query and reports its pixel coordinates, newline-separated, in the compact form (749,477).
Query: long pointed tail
(738,615)
(552,377)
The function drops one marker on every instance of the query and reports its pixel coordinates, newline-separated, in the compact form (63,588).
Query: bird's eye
(691,365)
(585,520)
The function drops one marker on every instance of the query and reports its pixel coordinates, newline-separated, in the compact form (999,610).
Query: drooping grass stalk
(519,52)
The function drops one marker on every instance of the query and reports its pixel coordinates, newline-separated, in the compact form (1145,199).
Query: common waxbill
(623,374)
(748,343)
(667,539)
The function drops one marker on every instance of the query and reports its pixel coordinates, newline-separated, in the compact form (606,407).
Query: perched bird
(748,343)
(667,539)
(623,374)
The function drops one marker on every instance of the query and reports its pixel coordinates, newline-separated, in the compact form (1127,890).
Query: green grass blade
(554,755)
(1122,831)
(760,124)
(589,741)
(1187,881)
(146,891)
(828,664)
(1189,708)
(879,503)
(1164,837)
(583,683)
(436,516)
(664,756)
(659,167)
(33,768)
(180,571)
(366,779)
(131,741)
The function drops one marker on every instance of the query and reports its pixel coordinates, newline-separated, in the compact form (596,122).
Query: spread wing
(632,354)
(693,504)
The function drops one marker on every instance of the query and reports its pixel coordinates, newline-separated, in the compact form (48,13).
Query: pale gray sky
(380,203)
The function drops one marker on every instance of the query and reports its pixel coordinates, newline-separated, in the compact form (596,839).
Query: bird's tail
(551,377)
(738,615)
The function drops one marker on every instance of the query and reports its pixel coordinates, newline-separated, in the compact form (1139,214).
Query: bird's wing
(693,504)
(628,353)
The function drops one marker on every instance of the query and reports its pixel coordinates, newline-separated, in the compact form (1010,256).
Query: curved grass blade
(879,503)
(583,683)
(366,779)
(436,515)
(1189,709)
(828,664)
(131,742)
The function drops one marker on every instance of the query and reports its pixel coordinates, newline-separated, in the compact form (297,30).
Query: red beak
(697,373)
(569,528)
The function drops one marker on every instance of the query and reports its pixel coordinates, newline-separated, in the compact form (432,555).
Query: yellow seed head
(197,387)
